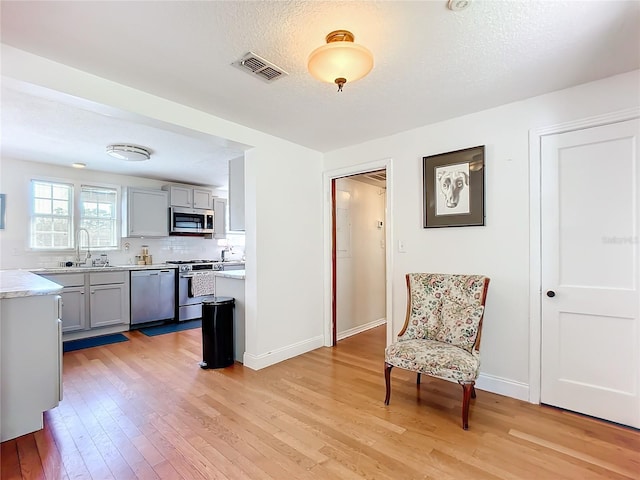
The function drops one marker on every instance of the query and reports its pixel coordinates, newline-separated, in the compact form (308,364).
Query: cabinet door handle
(93,292)
(81,293)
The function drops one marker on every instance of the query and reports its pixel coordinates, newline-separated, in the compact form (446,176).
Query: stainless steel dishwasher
(153,295)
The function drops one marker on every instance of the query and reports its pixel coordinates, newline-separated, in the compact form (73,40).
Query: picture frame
(3,206)
(453,187)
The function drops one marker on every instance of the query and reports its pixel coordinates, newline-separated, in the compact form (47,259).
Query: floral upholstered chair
(441,333)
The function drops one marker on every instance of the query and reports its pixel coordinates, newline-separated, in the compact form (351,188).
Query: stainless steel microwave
(190,220)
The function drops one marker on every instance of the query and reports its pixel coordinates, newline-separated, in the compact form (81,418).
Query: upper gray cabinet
(189,197)
(236,194)
(219,217)
(145,213)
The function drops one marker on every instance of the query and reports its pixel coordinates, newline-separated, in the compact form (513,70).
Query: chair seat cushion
(434,358)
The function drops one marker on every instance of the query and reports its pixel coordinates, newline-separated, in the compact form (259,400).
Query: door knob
(551,293)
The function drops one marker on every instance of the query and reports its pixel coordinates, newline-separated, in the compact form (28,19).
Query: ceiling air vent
(259,67)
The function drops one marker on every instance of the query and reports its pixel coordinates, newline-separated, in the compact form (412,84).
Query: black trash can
(217,333)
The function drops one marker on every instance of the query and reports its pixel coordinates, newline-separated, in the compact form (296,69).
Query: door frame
(535,232)
(329,255)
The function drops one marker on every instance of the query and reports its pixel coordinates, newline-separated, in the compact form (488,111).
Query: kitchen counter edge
(236,274)
(114,268)
(23,283)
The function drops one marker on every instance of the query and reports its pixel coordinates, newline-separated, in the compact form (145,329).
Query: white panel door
(590,264)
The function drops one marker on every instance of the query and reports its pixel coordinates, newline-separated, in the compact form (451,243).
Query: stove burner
(187,262)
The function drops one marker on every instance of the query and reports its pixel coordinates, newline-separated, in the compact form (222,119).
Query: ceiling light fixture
(457,5)
(340,60)
(78,165)
(130,153)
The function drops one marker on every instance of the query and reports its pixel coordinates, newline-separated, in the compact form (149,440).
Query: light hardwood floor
(144,409)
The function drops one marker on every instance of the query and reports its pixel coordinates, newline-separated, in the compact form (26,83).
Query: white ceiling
(430,64)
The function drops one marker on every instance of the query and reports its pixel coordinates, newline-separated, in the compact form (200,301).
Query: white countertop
(22,283)
(110,268)
(236,274)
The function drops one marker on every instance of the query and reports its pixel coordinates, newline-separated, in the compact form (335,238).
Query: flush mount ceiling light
(340,60)
(457,5)
(130,153)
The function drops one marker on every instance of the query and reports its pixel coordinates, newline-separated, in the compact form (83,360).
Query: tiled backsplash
(161,250)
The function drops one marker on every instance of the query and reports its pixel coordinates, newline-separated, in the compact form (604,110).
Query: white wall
(284,235)
(283,224)
(360,262)
(501,248)
(15,181)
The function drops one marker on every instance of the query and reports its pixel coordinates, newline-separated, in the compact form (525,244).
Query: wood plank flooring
(143,409)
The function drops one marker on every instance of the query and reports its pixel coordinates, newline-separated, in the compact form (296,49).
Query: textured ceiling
(430,63)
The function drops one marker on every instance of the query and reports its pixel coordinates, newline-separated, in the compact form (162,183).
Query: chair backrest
(445,307)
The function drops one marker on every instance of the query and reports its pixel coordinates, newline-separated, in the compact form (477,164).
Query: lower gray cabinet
(93,300)
(108,305)
(73,300)
(73,308)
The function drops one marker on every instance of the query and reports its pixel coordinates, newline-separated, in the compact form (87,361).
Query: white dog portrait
(452,189)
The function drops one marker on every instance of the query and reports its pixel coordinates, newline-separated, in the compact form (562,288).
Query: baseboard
(96,332)
(256,362)
(503,386)
(361,328)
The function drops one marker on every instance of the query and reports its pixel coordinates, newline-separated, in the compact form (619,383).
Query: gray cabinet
(236,194)
(73,309)
(109,300)
(73,300)
(189,197)
(145,213)
(219,217)
(202,199)
(92,301)
(31,366)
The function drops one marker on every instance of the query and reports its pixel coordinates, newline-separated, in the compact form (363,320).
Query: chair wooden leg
(387,381)
(466,398)
(418,379)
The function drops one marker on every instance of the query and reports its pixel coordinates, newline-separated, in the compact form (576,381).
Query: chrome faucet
(88,255)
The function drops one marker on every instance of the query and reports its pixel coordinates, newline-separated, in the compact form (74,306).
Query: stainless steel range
(192,293)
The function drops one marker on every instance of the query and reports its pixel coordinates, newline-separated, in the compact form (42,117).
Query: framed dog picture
(454,188)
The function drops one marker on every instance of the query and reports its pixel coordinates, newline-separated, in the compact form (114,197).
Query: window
(98,207)
(52,218)
(58,209)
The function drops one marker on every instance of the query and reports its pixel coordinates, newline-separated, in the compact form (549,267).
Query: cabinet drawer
(104,278)
(67,279)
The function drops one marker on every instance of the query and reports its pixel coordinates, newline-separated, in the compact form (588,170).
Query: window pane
(43,240)
(61,192)
(42,206)
(43,224)
(89,209)
(42,190)
(105,210)
(61,225)
(60,240)
(60,207)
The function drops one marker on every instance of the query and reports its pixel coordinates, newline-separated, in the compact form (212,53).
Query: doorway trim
(329,177)
(535,232)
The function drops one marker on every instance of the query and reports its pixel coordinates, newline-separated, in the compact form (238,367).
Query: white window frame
(34,215)
(76,213)
(116,216)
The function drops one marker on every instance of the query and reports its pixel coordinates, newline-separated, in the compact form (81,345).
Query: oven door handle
(186,276)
